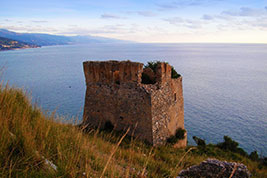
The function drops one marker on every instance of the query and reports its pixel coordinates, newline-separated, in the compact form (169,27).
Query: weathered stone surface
(212,168)
(112,71)
(115,94)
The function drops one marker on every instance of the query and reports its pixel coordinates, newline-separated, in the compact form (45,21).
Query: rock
(50,165)
(212,168)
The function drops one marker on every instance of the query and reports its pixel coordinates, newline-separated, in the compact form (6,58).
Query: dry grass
(32,142)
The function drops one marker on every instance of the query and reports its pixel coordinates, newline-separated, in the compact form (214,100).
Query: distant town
(9,44)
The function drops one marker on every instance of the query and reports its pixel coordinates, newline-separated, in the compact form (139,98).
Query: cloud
(188,23)
(241,19)
(174,20)
(31,29)
(142,13)
(39,21)
(146,13)
(106,29)
(246,12)
(167,6)
(194,24)
(177,4)
(110,16)
(207,17)
(184,3)
(260,23)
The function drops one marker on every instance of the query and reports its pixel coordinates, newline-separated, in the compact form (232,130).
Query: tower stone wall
(115,94)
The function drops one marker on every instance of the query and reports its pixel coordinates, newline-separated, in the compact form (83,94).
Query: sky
(151,21)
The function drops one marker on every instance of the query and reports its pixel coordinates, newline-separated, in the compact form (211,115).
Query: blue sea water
(225,85)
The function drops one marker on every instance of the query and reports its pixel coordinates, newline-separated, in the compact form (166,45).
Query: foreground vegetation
(33,144)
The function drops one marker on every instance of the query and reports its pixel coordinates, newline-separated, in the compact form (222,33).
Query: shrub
(174,73)
(153,65)
(254,156)
(199,141)
(264,161)
(231,145)
(179,135)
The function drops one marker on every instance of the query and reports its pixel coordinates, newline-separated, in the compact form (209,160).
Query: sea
(224,85)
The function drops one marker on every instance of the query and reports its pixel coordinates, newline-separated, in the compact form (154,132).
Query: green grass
(28,138)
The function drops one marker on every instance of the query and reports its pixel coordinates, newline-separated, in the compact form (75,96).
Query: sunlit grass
(30,141)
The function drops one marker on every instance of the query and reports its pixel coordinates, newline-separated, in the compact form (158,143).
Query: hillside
(8,44)
(34,144)
(48,40)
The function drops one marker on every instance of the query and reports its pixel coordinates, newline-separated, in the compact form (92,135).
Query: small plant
(199,141)
(145,77)
(179,135)
(254,156)
(153,66)
(174,73)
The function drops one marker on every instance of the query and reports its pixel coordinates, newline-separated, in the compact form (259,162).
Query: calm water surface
(225,85)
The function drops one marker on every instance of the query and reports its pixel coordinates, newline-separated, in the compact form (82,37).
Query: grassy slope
(28,137)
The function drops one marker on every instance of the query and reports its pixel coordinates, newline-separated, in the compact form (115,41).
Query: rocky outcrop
(213,168)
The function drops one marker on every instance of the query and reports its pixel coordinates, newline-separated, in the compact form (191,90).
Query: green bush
(231,145)
(179,135)
(153,65)
(199,141)
(174,73)
(254,156)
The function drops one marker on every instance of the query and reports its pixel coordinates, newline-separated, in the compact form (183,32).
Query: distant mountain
(47,40)
(8,44)
(35,38)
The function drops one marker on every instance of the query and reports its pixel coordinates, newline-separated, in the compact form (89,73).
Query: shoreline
(12,49)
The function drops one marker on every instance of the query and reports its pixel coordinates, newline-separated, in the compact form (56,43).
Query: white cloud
(246,11)
(39,21)
(147,13)
(207,17)
(177,4)
(188,23)
(175,20)
(110,16)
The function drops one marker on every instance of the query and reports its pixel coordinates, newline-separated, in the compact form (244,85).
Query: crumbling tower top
(124,71)
(112,71)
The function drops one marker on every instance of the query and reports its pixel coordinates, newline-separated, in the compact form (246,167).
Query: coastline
(12,49)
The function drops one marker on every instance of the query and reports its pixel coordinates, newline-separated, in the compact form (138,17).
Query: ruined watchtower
(115,94)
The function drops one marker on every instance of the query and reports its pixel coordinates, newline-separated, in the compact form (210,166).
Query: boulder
(212,168)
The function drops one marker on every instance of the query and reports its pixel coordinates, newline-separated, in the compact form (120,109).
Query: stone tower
(116,95)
